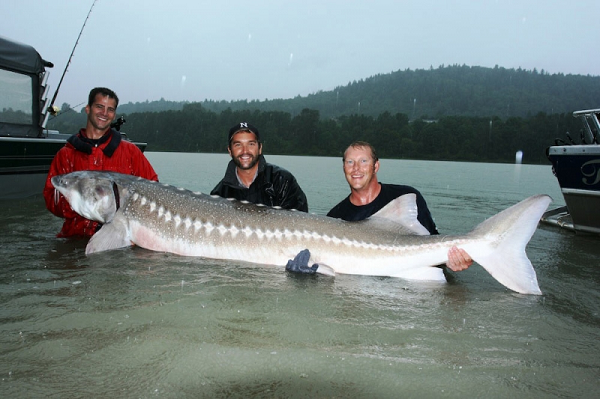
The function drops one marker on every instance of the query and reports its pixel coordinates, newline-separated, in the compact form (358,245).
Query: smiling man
(368,196)
(249,177)
(96,147)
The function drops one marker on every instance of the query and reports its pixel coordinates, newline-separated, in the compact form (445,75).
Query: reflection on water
(135,323)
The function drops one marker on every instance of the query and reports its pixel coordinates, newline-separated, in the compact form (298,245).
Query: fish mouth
(59,187)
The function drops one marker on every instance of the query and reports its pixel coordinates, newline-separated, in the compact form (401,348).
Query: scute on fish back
(160,217)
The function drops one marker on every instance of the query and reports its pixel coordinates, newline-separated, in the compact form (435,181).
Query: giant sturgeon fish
(391,243)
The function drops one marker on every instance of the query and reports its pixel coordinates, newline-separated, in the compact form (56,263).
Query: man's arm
(424,215)
(219,190)
(289,193)
(141,165)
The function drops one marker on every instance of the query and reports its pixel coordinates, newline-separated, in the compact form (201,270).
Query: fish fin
(303,259)
(325,270)
(507,235)
(111,236)
(399,215)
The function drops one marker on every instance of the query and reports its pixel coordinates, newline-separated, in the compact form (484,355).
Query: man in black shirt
(368,196)
(249,177)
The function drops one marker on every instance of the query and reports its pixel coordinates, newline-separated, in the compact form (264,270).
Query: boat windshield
(16,102)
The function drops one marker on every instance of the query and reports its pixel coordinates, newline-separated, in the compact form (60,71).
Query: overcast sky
(241,49)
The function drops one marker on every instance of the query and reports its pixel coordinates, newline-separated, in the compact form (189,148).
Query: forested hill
(455,113)
(446,91)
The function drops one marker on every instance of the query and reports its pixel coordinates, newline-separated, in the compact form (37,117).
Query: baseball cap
(243,127)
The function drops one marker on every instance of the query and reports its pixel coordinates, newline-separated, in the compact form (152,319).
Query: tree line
(455,112)
(394,135)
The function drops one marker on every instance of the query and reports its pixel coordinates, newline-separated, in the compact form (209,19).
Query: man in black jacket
(249,177)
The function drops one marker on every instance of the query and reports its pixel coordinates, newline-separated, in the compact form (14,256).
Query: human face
(244,150)
(102,112)
(359,168)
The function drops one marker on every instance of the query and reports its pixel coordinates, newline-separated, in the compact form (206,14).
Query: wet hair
(362,144)
(105,92)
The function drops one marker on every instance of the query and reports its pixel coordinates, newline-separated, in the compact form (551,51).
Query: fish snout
(57,181)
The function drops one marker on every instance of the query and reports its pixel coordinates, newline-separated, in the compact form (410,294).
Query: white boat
(577,168)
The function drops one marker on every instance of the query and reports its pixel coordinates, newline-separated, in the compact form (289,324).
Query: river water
(139,324)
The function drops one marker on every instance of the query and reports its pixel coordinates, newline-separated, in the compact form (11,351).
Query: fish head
(93,195)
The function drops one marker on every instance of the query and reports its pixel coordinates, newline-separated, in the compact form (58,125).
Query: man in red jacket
(97,147)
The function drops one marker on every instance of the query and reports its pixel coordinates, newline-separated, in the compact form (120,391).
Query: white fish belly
(276,247)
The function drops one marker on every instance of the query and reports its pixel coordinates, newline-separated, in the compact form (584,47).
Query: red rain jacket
(110,154)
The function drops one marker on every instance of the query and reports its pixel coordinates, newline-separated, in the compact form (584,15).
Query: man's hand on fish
(458,259)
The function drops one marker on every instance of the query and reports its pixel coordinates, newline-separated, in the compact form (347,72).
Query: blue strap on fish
(300,263)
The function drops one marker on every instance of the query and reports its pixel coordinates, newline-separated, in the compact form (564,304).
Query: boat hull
(577,168)
(24,165)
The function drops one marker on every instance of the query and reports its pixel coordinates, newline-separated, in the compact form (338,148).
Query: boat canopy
(23,86)
(21,57)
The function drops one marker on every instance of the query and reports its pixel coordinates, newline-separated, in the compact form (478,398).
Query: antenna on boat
(51,108)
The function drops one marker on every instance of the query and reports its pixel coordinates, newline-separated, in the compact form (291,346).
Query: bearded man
(250,178)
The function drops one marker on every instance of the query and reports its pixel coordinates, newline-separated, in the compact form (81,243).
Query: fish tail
(505,236)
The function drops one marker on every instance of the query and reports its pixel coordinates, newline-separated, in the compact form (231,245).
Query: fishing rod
(72,109)
(51,108)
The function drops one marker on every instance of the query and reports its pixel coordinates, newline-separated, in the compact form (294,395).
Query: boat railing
(590,134)
(591,125)
(44,100)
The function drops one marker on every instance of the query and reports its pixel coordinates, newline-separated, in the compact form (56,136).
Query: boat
(577,169)
(26,146)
